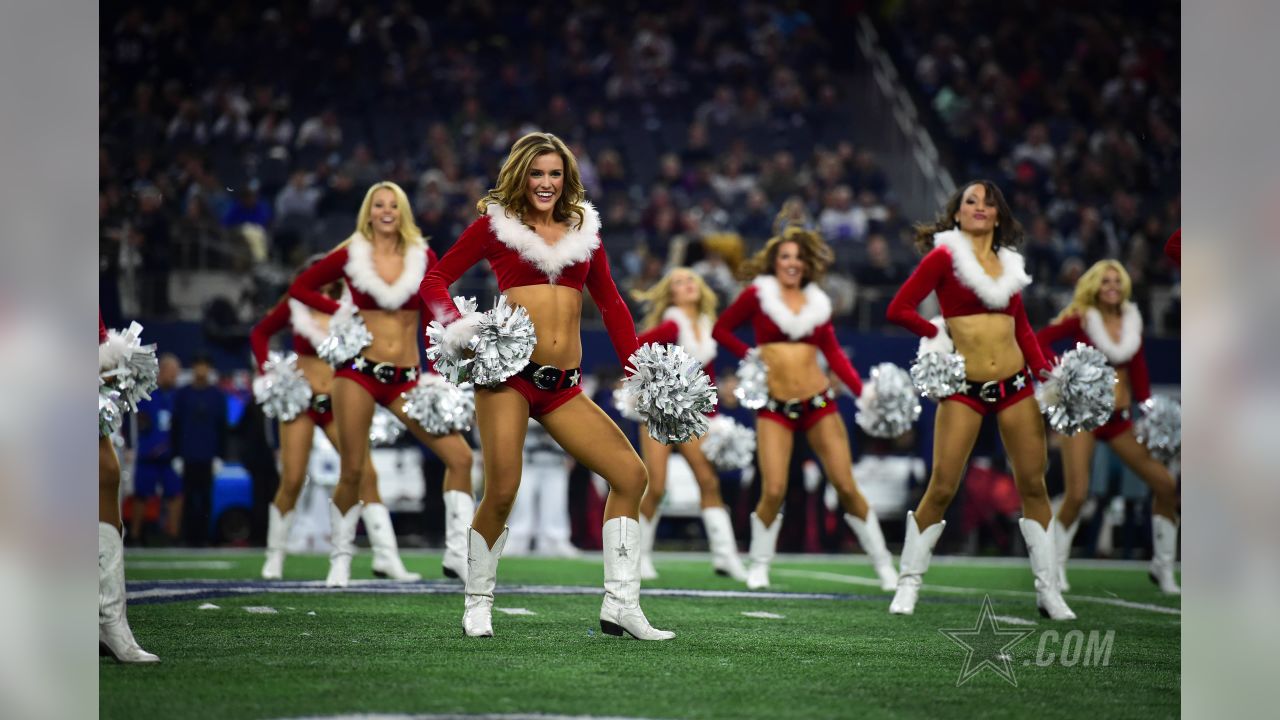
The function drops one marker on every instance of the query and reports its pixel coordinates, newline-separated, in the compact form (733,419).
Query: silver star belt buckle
(990,391)
(546,378)
(384,372)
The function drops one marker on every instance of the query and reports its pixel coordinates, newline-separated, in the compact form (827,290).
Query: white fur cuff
(940,343)
(458,334)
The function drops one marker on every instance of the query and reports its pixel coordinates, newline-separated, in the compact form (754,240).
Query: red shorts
(321,420)
(996,395)
(803,415)
(383,393)
(541,402)
(1120,421)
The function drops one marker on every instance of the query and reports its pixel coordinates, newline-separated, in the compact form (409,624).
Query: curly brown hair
(1008,231)
(510,192)
(815,252)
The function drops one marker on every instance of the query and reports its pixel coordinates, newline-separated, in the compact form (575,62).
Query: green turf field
(387,648)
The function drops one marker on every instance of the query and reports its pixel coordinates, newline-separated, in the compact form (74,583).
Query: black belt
(546,377)
(793,408)
(1121,415)
(993,391)
(384,372)
(321,403)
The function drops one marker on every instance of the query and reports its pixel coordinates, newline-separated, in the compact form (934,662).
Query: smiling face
(545,182)
(978,213)
(1111,291)
(384,212)
(789,265)
(684,289)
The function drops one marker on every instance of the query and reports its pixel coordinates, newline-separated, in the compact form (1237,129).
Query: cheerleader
(972,266)
(115,638)
(542,240)
(791,318)
(308,329)
(682,310)
(1101,315)
(383,263)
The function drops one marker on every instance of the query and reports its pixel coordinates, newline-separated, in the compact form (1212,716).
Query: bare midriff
(395,336)
(317,372)
(988,345)
(1124,393)
(556,312)
(794,373)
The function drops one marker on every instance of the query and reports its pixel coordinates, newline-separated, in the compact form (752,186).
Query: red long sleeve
(1173,248)
(825,336)
(468,250)
(734,317)
(328,270)
(664,333)
(102,329)
(613,310)
(1139,377)
(903,309)
(260,335)
(1068,327)
(1026,337)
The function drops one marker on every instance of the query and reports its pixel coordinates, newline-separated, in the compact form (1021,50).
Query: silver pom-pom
(109,415)
(889,404)
(131,367)
(439,406)
(625,402)
(503,343)
(452,366)
(348,335)
(672,392)
(938,375)
(1080,393)
(386,428)
(753,381)
(1160,427)
(729,445)
(282,390)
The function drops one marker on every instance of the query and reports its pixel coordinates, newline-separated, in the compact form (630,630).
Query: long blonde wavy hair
(410,235)
(815,252)
(511,190)
(658,297)
(1087,287)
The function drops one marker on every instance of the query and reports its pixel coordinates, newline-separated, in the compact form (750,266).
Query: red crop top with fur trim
(354,262)
(520,257)
(964,288)
(675,329)
(1091,330)
(306,332)
(102,329)
(762,305)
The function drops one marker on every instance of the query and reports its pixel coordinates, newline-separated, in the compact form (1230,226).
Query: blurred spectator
(198,435)
(154,470)
(879,268)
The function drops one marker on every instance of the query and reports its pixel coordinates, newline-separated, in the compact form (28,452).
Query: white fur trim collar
(576,246)
(995,293)
(816,310)
(364,276)
(304,324)
(704,350)
(1120,352)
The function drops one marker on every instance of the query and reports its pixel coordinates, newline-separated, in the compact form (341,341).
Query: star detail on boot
(988,646)
(624,551)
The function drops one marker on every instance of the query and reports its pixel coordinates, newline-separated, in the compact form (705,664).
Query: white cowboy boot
(724,546)
(872,542)
(1164,551)
(342,535)
(481,576)
(764,545)
(114,635)
(648,530)
(621,611)
(278,526)
(1062,539)
(382,537)
(917,550)
(1044,565)
(459,508)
